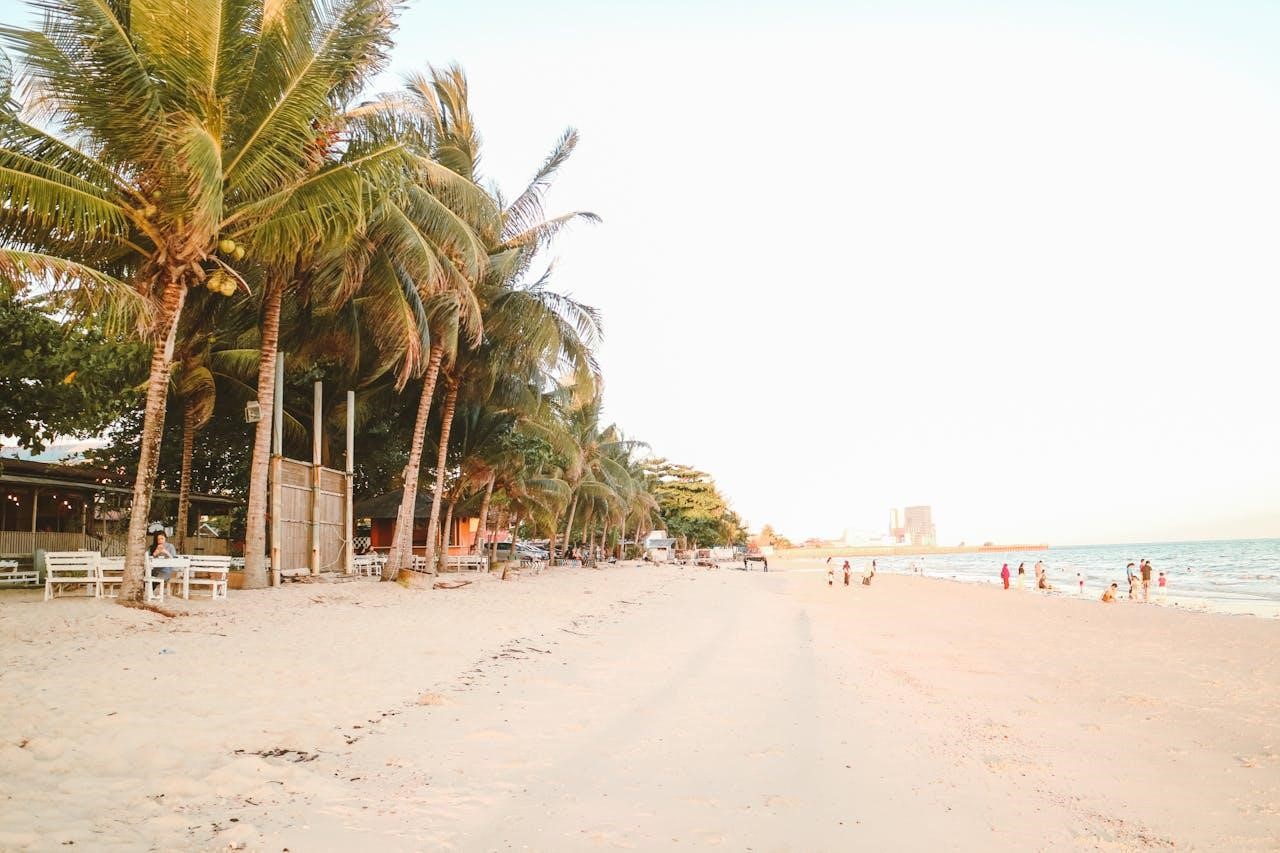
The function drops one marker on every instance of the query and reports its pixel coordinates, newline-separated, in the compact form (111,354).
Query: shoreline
(904,550)
(1257,608)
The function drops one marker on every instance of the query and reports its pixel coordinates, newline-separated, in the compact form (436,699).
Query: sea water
(1226,574)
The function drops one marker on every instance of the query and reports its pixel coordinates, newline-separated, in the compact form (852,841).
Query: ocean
(1228,574)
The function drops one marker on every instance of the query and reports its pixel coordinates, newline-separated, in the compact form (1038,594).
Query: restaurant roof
(28,472)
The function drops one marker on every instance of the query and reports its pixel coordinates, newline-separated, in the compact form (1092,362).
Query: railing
(26,543)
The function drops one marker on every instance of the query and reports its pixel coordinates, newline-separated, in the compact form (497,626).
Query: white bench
(368,565)
(467,562)
(10,573)
(110,576)
(419,563)
(154,582)
(206,571)
(73,569)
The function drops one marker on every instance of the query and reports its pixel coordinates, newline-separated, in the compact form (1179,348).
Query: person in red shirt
(1004,575)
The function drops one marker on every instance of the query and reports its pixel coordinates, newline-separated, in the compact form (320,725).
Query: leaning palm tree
(154,146)
(513,234)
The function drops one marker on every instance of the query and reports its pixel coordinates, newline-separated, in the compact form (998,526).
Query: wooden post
(349,545)
(275,495)
(314,562)
(35,508)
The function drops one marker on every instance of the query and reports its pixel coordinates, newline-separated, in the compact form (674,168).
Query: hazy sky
(1014,260)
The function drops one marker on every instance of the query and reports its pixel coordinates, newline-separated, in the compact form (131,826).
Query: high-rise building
(918,521)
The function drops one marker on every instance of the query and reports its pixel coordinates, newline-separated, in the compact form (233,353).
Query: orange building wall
(461,537)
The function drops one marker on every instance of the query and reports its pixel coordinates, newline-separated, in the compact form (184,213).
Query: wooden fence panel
(294,501)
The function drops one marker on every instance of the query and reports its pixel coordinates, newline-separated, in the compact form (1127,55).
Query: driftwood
(449,584)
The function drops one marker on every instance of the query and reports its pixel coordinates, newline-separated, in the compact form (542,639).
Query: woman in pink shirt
(1004,575)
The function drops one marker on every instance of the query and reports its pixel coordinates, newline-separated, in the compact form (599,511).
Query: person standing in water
(847,572)
(1004,575)
(1146,580)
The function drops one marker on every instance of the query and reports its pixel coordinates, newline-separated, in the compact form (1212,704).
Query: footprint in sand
(489,734)
(765,753)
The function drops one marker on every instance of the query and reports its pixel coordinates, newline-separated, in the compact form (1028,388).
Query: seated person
(1044,582)
(161,547)
(1109,594)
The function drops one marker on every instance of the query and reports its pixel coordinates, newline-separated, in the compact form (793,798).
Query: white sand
(638,708)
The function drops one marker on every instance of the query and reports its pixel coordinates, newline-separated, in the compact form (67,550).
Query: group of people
(1042,576)
(1142,574)
(867,574)
(1138,576)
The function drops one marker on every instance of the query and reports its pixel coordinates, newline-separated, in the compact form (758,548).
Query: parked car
(523,551)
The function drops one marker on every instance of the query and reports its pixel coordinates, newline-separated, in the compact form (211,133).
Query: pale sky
(1015,260)
(1012,260)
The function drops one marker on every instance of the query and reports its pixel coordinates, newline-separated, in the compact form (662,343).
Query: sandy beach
(638,707)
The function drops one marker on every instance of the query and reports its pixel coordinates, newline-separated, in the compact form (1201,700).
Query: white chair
(64,569)
(10,573)
(110,575)
(364,565)
(467,562)
(419,564)
(207,571)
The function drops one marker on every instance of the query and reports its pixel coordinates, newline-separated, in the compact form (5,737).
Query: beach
(638,707)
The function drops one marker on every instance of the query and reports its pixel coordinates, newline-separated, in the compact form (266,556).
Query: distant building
(918,524)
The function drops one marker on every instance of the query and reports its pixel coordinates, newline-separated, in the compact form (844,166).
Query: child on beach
(1133,587)
(1080,580)
(1109,594)
(1161,583)
(831,574)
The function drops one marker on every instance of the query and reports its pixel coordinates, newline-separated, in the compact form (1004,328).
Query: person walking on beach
(1022,573)
(847,572)
(1146,580)
(1004,575)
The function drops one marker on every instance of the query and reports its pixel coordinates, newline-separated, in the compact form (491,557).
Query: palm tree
(513,234)
(149,142)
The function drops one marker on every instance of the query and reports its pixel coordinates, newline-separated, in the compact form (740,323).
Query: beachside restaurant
(378,516)
(48,507)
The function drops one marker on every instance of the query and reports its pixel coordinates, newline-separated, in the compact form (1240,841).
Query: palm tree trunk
(568,526)
(184,484)
(482,527)
(175,293)
(256,575)
(402,543)
(446,534)
(442,458)
(493,544)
